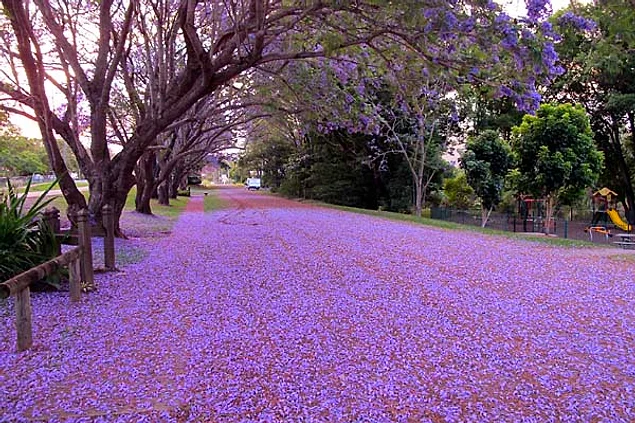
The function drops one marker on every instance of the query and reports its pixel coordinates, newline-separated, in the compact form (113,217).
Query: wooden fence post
(51,217)
(75,276)
(86,262)
(23,319)
(109,237)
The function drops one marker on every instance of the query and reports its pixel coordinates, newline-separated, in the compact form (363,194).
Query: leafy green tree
(458,192)
(334,168)
(21,156)
(596,52)
(269,158)
(486,161)
(555,154)
(487,112)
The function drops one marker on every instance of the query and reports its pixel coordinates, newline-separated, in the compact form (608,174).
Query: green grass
(44,186)
(126,255)
(460,227)
(130,199)
(173,210)
(213,202)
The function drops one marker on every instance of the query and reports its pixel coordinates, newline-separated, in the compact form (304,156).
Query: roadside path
(271,310)
(35,194)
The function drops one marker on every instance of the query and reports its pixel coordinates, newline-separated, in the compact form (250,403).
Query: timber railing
(18,286)
(79,261)
(52,217)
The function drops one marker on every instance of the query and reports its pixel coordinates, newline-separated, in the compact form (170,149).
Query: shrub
(25,240)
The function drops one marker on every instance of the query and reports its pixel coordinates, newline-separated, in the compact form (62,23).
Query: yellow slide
(617,220)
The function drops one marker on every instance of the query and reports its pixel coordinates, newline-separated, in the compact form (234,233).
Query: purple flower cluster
(577,21)
(270,311)
(538,10)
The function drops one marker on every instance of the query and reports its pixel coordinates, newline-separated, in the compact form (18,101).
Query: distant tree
(21,156)
(458,192)
(555,154)
(269,157)
(486,161)
(498,114)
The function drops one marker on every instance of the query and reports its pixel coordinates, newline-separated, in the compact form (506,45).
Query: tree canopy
(555,154)
(127,71)
(596,51)
(486,161)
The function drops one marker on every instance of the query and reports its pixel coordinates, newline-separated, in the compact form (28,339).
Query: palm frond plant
(25,240)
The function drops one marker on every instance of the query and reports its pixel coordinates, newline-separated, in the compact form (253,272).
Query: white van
(253,183)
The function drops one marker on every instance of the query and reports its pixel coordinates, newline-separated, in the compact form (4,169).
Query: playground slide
(617,220)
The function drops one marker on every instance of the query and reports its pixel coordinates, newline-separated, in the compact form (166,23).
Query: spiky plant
(25,240)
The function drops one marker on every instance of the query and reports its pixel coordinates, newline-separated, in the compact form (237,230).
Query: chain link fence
(572,226)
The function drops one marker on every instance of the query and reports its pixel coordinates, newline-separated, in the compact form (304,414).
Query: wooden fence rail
(52,217)
(18,286)
(80,266)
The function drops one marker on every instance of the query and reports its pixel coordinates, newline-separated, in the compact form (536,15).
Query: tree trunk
(173,185)
(418,198)
(138,200)
(549,212)
(164,198)
(145,182)
(142,201)
(485,214)
(122,183)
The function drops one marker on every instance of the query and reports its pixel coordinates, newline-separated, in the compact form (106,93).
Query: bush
(25,241)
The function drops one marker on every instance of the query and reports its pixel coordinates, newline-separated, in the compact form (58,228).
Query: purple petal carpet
(271,311)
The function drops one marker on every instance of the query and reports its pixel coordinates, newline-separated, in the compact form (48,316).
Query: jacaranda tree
(84,51)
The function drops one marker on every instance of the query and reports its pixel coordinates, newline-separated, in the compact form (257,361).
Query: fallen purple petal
(271,311)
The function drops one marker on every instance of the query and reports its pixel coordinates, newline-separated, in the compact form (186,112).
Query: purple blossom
(450,20)
(360,89)
(538,10)
(576,21)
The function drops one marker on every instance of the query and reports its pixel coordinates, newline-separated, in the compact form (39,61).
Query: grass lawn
(173,210)
(44,186)
(213,202)
(161,221)
(460,227)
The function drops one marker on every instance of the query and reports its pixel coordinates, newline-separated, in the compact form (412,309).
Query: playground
(272,310)
(607,221)
(603,221)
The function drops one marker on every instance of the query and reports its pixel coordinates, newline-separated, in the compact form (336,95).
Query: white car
(253,183)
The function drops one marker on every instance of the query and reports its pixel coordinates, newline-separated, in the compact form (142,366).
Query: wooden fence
(79,261)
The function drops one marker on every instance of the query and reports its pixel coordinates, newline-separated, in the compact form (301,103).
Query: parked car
(194,180)
(253,183)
